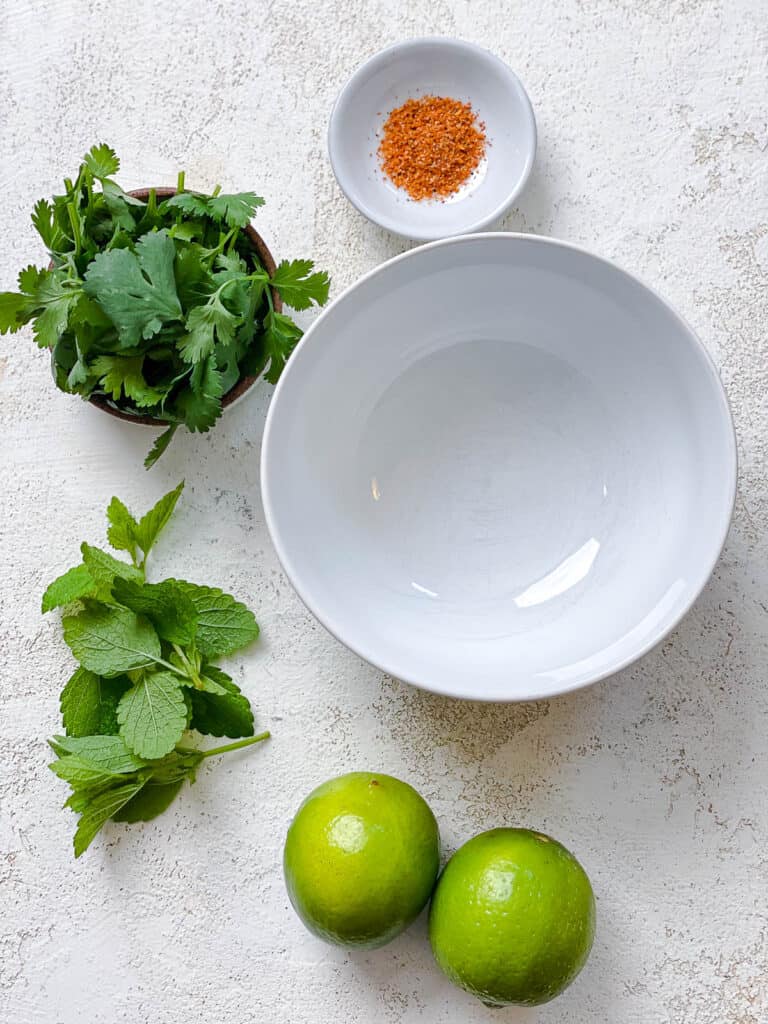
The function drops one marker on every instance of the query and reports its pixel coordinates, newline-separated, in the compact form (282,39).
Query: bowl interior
(499,467)
(444,68)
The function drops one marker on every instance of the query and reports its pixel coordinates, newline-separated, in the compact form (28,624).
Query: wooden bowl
(267,261)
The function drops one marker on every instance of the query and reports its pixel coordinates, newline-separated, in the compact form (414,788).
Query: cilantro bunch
(146,675)
(159,307)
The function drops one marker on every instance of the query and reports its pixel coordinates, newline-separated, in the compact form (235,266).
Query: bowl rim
(244,384)
(478,53)
(660,634)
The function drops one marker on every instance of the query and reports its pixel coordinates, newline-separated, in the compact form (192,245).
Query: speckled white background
(653,150)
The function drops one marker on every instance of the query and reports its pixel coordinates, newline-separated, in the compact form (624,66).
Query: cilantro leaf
(201,406)
(235,210)
(153,714)
(45,224)
(194,282)
(221,715)
(29,279)
(160,445)
(99,811)
(137,289)
(89,703)
(231,267)
(190,203)
(281,335)
(102,161)
(111,640)
(152,522)
(167,607)
(89,314)
(121,532)
(203,322)
(73,585)
(53,298)
(224,625)
(299,287)
(14,312)
(124,375)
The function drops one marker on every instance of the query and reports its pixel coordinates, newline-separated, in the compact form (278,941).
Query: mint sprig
(146,676)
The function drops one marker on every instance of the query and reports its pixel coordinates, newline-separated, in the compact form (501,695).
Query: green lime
(361,859)
(513,917)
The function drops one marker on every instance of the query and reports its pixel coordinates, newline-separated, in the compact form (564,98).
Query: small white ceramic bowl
(499,467)
(441,67)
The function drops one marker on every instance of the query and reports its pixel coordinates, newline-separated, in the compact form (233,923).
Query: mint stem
(236,746)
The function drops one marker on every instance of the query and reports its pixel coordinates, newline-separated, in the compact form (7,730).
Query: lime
(513,917)
(361,859)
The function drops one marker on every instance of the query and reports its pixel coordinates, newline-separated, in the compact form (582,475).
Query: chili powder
(431,145)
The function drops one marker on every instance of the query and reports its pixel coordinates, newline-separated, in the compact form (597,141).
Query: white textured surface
(654,150)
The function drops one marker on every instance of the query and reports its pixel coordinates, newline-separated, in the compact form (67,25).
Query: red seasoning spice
(430,146)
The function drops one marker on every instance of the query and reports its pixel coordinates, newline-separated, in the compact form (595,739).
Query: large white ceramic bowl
(499,467)
(438,66)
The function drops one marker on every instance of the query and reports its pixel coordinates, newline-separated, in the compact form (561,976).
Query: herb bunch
(146,675)
(161,307)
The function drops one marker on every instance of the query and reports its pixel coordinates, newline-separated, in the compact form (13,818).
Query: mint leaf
(104,568)
(105,753)
(153,715)
(73,585)
(299,287)
(99,811)
(167,607)
(224,625)
(102,161)
(121,532)
(281,335)
(81,774)
(227,715)
(136,290)
(209,685)
(151,524)
(89,703)
(111,640)
(151,801)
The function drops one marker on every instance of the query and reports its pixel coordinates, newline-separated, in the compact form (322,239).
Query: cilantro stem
(73,212)
(247,742)
(180,182)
